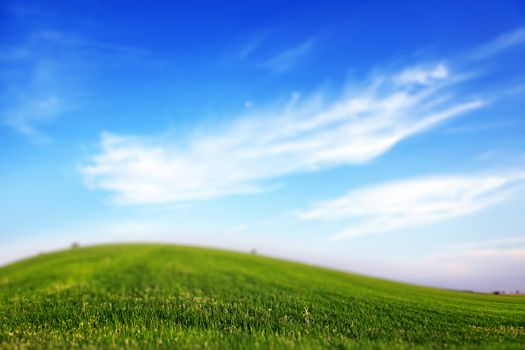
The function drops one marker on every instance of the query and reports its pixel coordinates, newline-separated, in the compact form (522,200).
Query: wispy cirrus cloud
(501,43)
(307,135)
(249,48)
(36,87)
(414,202)
(43,74)
(32,112)
(286,59)
(66,39)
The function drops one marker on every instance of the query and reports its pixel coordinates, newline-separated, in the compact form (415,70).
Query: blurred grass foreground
(164,296)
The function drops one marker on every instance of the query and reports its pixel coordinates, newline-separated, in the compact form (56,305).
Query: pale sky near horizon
(378,137)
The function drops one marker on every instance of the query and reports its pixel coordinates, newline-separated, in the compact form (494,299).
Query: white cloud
(424,76)
(301,136)
(241,155)
(413,202)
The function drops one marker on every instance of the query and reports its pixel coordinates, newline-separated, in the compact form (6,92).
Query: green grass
(163,296)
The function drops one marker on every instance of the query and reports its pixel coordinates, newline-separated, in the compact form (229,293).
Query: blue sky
(375,137)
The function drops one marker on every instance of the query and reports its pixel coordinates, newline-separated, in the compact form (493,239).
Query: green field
(163,296)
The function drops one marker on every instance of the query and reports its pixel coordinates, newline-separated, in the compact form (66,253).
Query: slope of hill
(163,296)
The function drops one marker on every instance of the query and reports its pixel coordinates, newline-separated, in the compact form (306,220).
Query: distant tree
(517,292)
(75,245)
(253,251)
(496,292)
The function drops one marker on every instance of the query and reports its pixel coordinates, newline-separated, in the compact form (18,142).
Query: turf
(164,296)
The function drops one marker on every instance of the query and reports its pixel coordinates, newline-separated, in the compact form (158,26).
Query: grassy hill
(155,296)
